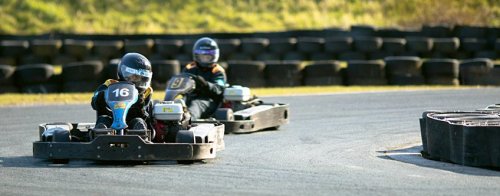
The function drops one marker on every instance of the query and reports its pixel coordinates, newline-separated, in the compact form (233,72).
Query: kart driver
(134,68)
(209,76)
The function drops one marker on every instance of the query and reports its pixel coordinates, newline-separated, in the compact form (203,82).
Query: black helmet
(206,52)
(135,68)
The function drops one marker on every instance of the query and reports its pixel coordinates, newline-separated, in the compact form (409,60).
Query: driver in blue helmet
(134,68)
(210,79)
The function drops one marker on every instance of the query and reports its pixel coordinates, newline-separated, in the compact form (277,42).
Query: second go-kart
(240,112)
(61,142)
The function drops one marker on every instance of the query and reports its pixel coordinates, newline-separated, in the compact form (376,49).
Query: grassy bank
(194,16)
(84,98)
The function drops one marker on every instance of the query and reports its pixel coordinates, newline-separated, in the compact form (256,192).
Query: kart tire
(14,48)
(45,47)
(246,73)
(82,71)
(7,75)
(309,45)
(78,48)
(224,114)
(168,48)
(164,69)
(440,68)
(185,162)
(446,45)
(403,65)
(393,44)
(419,44)
(338,44)
(254,46)
(60,161)
(283,73)
(473,44)
(228,46)
(108,49)
(33,74)
(185,136)
(282,45)
(171,136)
(367,44)
(144,47)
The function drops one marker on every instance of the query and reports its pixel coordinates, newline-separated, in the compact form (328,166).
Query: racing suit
(139,114)
(208,94)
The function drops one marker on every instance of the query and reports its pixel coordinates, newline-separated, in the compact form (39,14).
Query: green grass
(84,98)
(195,16)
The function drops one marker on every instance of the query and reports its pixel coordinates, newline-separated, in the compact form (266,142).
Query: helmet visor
(205,56)
(140,77)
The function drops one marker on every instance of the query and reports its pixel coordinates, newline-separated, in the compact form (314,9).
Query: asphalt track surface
(340,144)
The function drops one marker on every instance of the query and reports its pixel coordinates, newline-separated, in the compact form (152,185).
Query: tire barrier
(108,49)
(436,31)
(419,44)
(282,45)
(294,56)
(168,48)
(362,31)
(475,71)
(323,56)
(338,44)
(13,48)
(362,72)
(441,71)
(470,32)
(63,59)
(240,57)
(401,70)
(32,59)
(254,46)
(228,47)
(310,45)
(283,73)
(7,79)
(323,73)
(162,71)
(246,73)
(81,76)
(394,45)
(465,138)
(367,44)
(78,48)
(46,48)
(36,78)
(348,56)
(446,45)
(8,61)
(379,55)
(473,44)
(489,54)
(144,47)
(268,56)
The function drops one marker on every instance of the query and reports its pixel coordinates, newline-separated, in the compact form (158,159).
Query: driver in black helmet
(134,68)
(209,76)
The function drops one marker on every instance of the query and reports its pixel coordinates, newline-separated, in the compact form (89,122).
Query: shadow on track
(412,155)
(30,162)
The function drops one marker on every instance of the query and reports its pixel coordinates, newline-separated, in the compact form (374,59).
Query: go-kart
(60,142)
(240,111)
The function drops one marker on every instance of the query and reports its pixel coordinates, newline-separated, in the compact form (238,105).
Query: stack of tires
(320,73)
(163,70)
(77,49)
(105,50)
(246,73)
(475,71)
(441,71)
(43,51)
(366,72)
(81,76)
(283,73)
(404,70)
(7,84)
(37,78)
(11,51)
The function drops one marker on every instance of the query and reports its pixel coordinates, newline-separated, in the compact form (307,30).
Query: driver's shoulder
(109,82)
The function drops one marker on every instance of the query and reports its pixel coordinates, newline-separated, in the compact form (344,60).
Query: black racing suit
(205,100)
(139,113)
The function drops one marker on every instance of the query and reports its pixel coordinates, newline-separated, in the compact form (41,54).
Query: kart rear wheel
(224,114)
(60,161)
